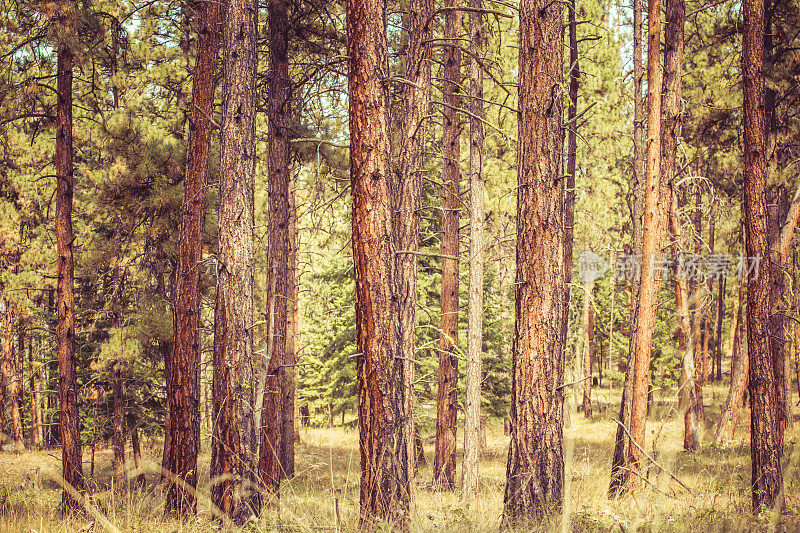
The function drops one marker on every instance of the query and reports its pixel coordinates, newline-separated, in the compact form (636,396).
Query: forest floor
(324,494)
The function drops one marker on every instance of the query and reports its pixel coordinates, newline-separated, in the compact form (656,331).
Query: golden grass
(324,494)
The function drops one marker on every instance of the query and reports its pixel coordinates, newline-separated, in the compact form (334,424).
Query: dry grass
(324,494)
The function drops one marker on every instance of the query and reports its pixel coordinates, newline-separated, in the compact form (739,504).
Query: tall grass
(324,494)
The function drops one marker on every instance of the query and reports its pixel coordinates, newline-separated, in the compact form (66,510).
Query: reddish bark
(766,444)
(535,470)
(385,419)
(650,280)
(183,367)
(72,469)
(444,461)
(276,443)
(235,439)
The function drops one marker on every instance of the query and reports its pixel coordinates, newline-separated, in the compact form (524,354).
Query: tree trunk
(16,393)
(53,433)
(139,479)
(572,153)
(407,186)
(72,469)
(670,129)
(36,392)
(621,441)
(7,367)
(535,471)
(472,404)
(444,463)
(384,401)
(649,284)
(699,330)
(289,386)
(739,367)
(235,443)
(721,284)
(166,352)
(273,432)
(766,444)
(691,433)
(120,476)
(183,378)
(777,211)
(588,340)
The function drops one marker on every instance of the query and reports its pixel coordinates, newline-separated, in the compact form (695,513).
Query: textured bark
(53,428)
(777,210)
(691,433)
(183,380)
(621,441)
(293,342)
(279,291)
(766,444)
(699,313)
(670,128)
(384,403)
(7,367)
(72,469)
(739,368)
(17,366)
(120,476)
(35,387)
(535,470)
(572,153)
(407,192)
(588,341)
(444,461)
(650,281)
(235,443)
(472,404)
(290,374)
(139,479)
(721,284)
(166,353)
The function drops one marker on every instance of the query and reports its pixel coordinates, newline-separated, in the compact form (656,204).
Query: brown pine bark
(385,418)
(34,385)
(139,479)
(235,443)
(588,341)
(444,461)
(691,432)
(7,366)
(535,470)
(650,281)
(699,322)
(72,469)
(721,284)
(670,128)
(289,387)
(739,368)
(621,442)
(18,363)
(407,189)
(165,348)
(278,292)
(120,476)
(183,367)
(572,154)
(53,428)
(766,444)
(472,403)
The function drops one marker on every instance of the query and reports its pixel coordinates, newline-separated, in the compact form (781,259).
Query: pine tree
(535,471)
